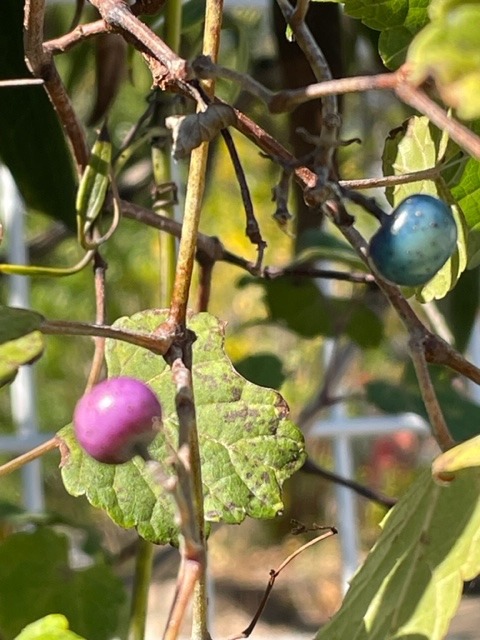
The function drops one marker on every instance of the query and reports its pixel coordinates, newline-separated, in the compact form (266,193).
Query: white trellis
(22,390)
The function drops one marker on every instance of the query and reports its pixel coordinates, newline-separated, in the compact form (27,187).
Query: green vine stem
(141,584)
(211,45)
(162,174)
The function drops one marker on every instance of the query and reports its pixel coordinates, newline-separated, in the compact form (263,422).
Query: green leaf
(448,49)
(397,20)
(15,322)
(461,414)
(411,583)
(415,146)
(52,627)
(248,445)
(467,195)
(19,342)
(264,369)
(463,456)
(460,308)
(94,184)
(16,353)
(37,580)
(32,144)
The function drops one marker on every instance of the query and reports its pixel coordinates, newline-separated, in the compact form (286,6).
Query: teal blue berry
(414,241)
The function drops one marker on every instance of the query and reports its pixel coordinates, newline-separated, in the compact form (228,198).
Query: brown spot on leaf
(64,452)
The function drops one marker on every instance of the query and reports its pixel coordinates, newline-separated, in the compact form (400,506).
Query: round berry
(117,419)
(414,241)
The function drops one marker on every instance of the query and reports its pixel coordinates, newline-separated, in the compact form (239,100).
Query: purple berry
(117,419)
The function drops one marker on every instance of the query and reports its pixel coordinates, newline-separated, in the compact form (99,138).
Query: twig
(368,204)
(429,396)
(189,496)
(274,573)
(64,43)
(41,65)
(205,281)
(118,15)
(325,149)
(252,229)
(25,458)
(158,343)
(212,250)
(419,100)
(387,181)
(439,352)
(287,100)
(312,468)
(290,99)
(331,121)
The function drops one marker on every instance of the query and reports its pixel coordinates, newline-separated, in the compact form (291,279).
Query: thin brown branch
(118,15)
(64,43)
(429,396)
(419,100)
(213,250)
(205,282)
(158,343)
(187,579)
(417,332)
(274,573)
(252,229)
(312,468)
(27,457)
(389,181)
(288,100)
(439,352)
(41,65)
(331,121)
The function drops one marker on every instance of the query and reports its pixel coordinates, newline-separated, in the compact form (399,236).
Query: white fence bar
(342,429)
(22,390)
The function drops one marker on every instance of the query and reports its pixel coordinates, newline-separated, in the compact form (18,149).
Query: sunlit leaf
(448,49)
(15,353)
(52,627)
(248,444)
(467,194)
(463,456)
(411,582)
